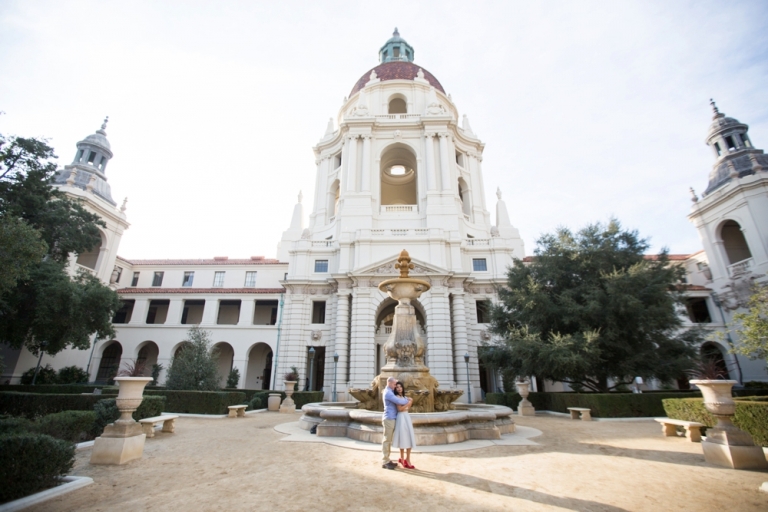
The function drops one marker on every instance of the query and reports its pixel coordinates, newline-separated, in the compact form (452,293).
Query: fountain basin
(467,421)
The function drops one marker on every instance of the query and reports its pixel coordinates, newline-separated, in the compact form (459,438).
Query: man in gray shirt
(391,401)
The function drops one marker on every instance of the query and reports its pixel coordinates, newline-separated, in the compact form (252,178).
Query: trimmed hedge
(105,412)
(602,405)
(300,398)
(32,462)
(33,405)
(12,425)
(72,426)
(751,415)
(61,389)
(198,402)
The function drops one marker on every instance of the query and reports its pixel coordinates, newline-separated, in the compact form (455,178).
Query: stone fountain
(436,418)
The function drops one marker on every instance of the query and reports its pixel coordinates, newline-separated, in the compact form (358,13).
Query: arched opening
(226,358)
(90,258)
(464,196)
(147,355)
(711,352)
(259,372)
(398,176)
(333,200)
(180,348)
(735,244)
(398,106)
(110,362)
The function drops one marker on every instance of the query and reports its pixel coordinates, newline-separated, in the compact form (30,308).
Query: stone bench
(692,428)
(580,412)
(237,411)
(148,424)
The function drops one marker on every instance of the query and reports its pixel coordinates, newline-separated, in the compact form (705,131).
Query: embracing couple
(398,429)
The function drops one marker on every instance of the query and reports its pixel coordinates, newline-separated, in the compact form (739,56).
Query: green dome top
(396,49)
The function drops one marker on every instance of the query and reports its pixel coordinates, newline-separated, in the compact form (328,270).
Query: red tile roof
(190,290)
(214,261)
(396,71)
(694,288)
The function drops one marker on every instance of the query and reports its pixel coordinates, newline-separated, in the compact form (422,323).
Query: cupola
(396,49)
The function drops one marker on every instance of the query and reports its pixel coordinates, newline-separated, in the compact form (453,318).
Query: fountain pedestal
(123,440)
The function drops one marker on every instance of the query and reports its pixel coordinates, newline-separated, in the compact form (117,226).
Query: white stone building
(397,169)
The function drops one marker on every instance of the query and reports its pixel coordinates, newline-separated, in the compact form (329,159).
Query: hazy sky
(588,109)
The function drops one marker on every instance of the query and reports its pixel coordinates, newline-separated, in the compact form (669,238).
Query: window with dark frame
(218,279)
(250,279)
(135,280)
(321,266)
(697,309)
(483,309)
(189,277)
(318,312)
(157,279)
(730,143)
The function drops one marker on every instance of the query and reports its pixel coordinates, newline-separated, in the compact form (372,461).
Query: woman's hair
(398,383)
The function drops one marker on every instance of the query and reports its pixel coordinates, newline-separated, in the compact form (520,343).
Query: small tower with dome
(85,179)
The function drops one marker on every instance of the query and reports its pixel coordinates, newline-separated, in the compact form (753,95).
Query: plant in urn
(524,408)
(291,378)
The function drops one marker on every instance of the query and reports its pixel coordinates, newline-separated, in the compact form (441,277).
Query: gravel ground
(241,464)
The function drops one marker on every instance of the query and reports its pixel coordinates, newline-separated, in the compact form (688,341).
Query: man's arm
(392,397)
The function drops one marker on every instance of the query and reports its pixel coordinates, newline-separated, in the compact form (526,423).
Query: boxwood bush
(72,426)
(198,402)
(31,462)
(106,412)
(300,398)
(602,405)
(13,425)
(751,414)
(33,405)
(61,389)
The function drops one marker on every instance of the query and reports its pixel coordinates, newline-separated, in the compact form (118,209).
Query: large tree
(196,365)
(752,325)
(41,305)
(592,311)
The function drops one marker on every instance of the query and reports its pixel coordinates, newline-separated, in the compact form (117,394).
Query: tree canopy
(752,325)
(195,366)
(592,311)
(41,305)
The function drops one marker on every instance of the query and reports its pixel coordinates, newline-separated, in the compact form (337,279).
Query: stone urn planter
(288,404)
(726,444)
(524,408)
(123,440)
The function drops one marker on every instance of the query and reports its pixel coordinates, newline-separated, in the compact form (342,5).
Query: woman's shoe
(402,462)
(408,465)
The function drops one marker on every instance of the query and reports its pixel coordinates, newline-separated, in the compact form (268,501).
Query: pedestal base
(288,407)
(526,410)
(273,402)
(117,450)
(736,457)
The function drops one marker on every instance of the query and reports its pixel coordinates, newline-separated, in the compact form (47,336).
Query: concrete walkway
(244,464)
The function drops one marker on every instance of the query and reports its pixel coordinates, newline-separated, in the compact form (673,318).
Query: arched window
(711,352)
(735,244)
(333,200)
(90,259)
(466,206)
(398,106)
(110,362)
(398,176)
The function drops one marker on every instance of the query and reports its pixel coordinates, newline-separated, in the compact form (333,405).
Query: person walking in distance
(389,419)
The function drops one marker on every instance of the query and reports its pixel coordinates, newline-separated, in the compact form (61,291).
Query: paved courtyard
(242,464)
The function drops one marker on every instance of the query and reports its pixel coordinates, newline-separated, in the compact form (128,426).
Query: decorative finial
(125,201)
(404,264)
(396,33)
(715,110)
(104,124)
(498,193)
(694,197)
(301,196)
(420,73)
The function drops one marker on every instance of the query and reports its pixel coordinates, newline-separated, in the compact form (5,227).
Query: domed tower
(85,179)
(732,214)
(396,169)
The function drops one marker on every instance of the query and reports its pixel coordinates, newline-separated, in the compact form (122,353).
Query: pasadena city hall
(398,169)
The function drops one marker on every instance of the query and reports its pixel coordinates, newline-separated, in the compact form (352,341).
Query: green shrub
(234,378)
(72,426)
(11,425)
(73,389)
(106,412)
(259,399)
(32,462)
(756,384)
(751,415)
(198,402)
(72,375)
(195,366)
(33,405)
(302,398)
(46,375)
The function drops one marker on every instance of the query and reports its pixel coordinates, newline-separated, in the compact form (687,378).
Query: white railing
(421,231)
(322,243)
(398,116)
(387,329)
(85,269)
(742,267)
(399,208)
(399,232)
(478,241)
(331,219)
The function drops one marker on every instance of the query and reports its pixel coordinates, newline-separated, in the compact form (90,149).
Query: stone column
(342,338)
(344,172)
(321,192)
(352,163)
(366,178)
(363,356)
(439,337)
(445,174)
(139,314)
(430,156)
(460,343)
(246,312)
(211,311)
(174,312)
